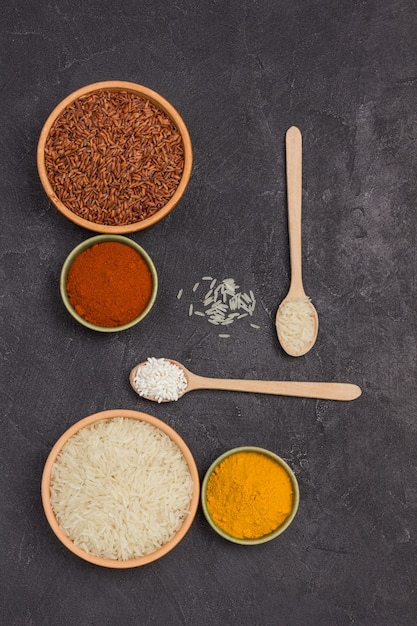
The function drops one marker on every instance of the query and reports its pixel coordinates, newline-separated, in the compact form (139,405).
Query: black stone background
(240,73)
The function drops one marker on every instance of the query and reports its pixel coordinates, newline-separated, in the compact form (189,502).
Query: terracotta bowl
(154,98)
(87,244)
(46,478)
(280,529)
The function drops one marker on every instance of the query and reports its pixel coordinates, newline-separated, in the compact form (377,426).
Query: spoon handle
(293,145)
(323,391)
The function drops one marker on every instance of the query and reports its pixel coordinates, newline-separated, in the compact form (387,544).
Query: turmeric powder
(249,495)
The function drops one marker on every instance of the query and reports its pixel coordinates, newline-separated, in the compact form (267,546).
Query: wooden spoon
(324,391)
(293,144)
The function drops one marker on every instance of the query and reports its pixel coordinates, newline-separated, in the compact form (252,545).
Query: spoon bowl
(296,303)
(180,392)
(301,389)
(310,323)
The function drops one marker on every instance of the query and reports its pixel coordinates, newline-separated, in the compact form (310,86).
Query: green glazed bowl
(274,533)
(87,244)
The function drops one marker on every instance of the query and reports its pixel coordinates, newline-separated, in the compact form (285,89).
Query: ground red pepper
(109,284)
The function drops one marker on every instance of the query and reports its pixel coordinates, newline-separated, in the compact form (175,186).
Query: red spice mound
(109,284)
(114,158)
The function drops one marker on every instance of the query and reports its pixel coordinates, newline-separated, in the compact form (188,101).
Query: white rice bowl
(120,488)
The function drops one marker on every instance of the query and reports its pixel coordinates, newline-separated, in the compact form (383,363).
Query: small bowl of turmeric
(249,495)
(108,283)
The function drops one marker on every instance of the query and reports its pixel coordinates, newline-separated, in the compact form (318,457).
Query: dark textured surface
(240,73)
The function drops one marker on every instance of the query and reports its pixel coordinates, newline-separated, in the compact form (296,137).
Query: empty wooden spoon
(296,321)
(191,382)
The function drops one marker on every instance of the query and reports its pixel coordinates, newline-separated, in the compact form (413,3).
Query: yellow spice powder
(249,495)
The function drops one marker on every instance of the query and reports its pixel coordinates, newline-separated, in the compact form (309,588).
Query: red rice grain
(114,158)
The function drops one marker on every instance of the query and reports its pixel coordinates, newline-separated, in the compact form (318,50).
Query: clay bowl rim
(280,529)
(46,477)
(84,245)
(155,98)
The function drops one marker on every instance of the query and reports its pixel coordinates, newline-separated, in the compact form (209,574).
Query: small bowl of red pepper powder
(108,283)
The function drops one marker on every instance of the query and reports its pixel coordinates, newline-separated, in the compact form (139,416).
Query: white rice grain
(120,488)
(160,380)
(296,323)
